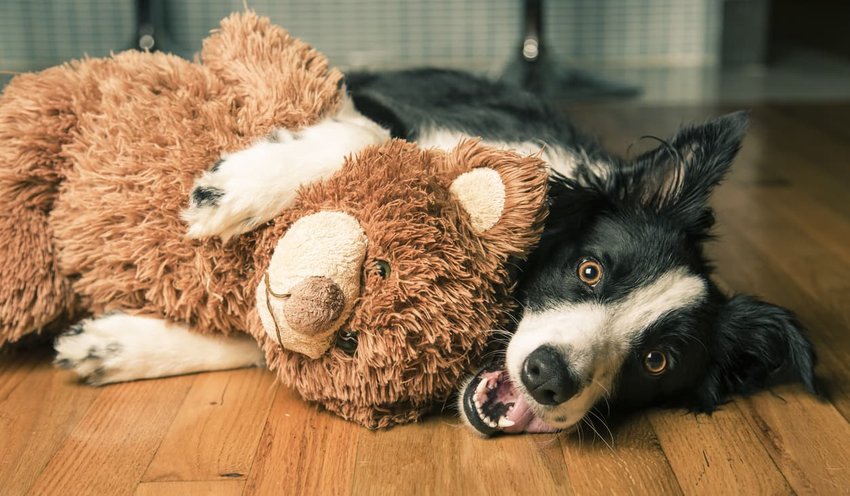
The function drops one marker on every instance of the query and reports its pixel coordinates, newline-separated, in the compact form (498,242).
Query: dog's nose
(547,378)
(313,305)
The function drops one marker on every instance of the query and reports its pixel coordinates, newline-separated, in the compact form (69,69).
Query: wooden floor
(784,234)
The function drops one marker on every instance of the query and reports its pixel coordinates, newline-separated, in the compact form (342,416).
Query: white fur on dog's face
(594,338)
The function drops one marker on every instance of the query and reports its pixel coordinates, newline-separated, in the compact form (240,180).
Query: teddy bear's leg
(120,347)
(37,117)
(250,187)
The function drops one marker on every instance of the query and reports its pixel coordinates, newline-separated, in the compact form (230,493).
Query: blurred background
(669,50)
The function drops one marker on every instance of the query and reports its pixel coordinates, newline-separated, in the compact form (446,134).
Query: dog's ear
(678,177)
(757,345)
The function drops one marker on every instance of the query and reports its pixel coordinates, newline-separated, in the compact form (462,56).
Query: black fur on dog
(619,305)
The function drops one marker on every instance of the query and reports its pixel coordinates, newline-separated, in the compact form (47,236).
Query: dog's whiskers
(579,431)
(500,332)
(493,356)
(601,419)
(519,302)
(590,424)
(604,396)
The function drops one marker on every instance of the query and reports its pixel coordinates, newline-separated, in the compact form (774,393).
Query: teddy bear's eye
(346,341)
(383,268)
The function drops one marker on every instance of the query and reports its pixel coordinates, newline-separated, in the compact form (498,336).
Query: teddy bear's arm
(120,347)
(250,187)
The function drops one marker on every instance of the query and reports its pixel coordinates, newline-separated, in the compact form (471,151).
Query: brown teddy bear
(372,291)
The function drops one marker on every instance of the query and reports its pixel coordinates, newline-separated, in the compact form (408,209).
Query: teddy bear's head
(378,291)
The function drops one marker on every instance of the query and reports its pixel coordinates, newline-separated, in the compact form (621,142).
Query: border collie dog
(617,304)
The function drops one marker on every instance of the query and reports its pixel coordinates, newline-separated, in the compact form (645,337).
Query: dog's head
(619,306)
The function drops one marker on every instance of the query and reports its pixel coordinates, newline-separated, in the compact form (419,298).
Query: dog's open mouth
(492,404)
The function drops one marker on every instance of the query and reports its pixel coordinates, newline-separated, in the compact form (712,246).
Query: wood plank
(830,118)
(303,450)
(108,450)
(217,429)
(191,488)
(440,456)
(38,409)
(807,439)
(14,371)
(825,227)
(629,460)
(716,454)
(809,160)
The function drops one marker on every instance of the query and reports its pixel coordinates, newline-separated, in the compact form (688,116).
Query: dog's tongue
(524,419)
(492,404)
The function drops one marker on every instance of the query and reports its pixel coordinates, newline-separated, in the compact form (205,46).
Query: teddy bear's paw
(95,357)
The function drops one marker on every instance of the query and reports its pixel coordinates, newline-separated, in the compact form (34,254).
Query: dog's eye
(655,362)
(590,271)
(346,341)
(383,268)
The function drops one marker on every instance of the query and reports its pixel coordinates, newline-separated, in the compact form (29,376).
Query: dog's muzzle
(547,378)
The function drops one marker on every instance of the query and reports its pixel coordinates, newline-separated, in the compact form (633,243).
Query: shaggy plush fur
(425,325)
(98,158)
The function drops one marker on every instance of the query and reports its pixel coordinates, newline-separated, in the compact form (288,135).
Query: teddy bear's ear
(502,193)
(276,80)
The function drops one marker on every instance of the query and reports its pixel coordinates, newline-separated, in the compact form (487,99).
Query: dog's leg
(250,187)
(118,347)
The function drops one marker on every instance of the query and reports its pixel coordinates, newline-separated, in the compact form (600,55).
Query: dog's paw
(283,136)
(248,188)
(96,357)
(245,189)
(221,200)
(119,347)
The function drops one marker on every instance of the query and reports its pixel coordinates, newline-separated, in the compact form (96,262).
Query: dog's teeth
(481,388)
(506,422)
(492,423)
(477,404)
(491,385)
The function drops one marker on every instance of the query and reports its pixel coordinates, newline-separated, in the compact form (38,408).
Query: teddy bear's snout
(313,305)
(312,282)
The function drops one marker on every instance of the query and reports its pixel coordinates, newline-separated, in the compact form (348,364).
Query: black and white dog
(618,305)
